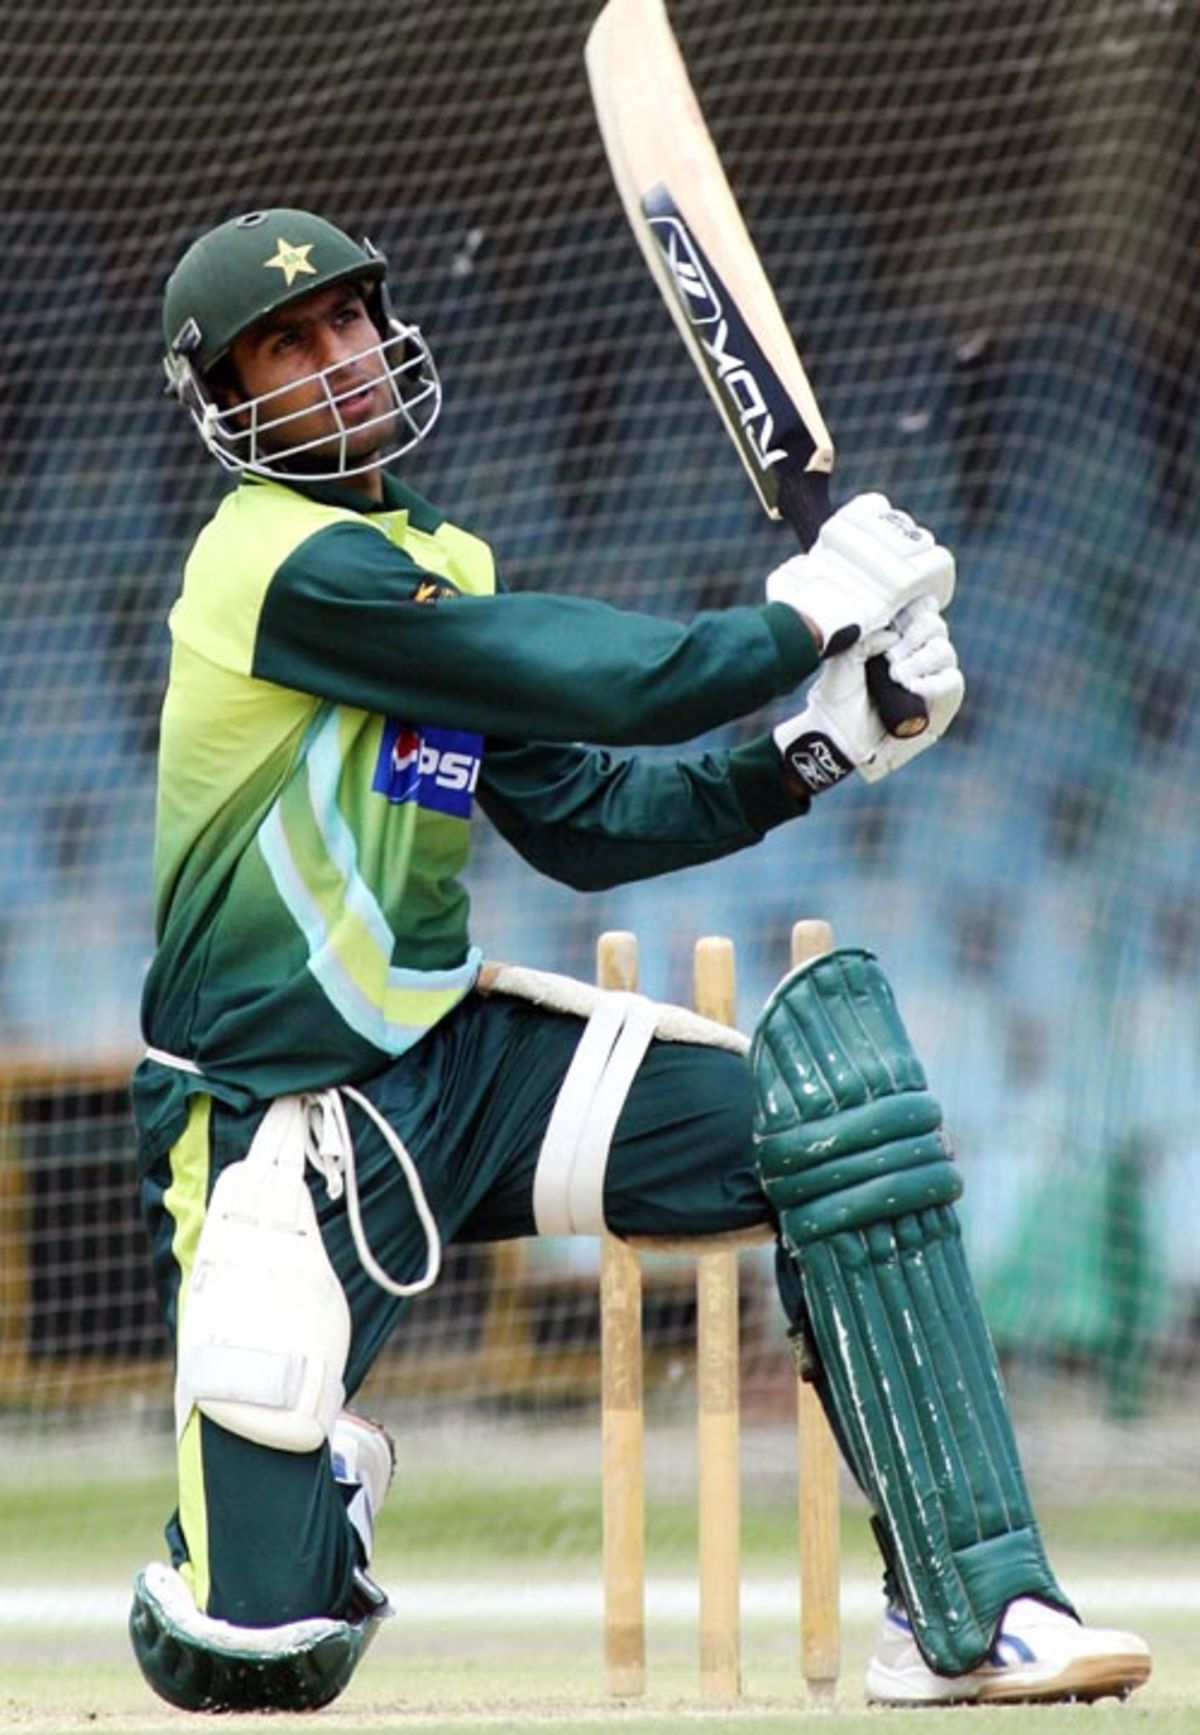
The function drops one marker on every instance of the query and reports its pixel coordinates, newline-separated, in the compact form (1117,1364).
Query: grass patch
(102,1527)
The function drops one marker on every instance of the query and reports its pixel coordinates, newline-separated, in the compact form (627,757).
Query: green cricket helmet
(253,266)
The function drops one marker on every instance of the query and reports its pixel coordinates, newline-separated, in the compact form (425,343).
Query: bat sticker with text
(699,252)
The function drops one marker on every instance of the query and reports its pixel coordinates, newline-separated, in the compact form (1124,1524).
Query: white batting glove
(869,560)
(839,729)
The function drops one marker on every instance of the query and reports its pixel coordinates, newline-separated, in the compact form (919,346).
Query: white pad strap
(177,1062)
(568,1188)
(229,1373)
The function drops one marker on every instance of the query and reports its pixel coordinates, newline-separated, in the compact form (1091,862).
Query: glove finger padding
(868,562)
(911,666)
(919,620)
(878,538)
(922,658)
(851,1154)
(943,696)
(840,729)
(918,642)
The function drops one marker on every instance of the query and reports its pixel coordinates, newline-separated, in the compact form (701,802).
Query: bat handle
(803,499)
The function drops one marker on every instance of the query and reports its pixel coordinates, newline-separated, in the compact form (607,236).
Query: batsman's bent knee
(201,1664)
(852,1156)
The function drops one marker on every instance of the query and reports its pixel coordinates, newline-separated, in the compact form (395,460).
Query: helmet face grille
(274,434)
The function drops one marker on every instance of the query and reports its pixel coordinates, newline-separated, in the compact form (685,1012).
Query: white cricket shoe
(363,1457)
(1040,1654)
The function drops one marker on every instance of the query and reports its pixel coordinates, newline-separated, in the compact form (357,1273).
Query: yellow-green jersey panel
(346,680)
(308,848)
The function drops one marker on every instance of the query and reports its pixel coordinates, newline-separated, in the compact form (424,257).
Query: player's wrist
(797,646)
(813,755)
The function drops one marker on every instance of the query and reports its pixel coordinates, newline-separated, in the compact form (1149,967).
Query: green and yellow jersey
(346,682)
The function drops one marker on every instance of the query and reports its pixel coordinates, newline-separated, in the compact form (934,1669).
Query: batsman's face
(318,374)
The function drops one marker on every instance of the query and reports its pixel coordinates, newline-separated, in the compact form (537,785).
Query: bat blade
(694,239)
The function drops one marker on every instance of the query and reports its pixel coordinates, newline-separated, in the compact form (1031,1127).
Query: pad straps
(568,1188)
(568,1185)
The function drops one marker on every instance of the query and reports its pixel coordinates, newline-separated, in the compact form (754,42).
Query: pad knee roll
(846,1131)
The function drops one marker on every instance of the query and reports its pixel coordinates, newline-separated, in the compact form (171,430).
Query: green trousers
(263,1534)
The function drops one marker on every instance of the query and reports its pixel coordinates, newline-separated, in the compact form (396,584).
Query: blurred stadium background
(983,220)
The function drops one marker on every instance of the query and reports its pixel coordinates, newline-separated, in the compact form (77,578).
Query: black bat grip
(803,497)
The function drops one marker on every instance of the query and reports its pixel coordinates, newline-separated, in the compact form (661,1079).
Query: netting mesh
(983,221)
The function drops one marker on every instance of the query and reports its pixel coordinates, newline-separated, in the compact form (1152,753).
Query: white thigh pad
(264,1327)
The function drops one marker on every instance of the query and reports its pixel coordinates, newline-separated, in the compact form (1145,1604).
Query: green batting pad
(852,1155)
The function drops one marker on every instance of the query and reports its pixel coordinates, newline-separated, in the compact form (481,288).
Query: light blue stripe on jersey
(324,766)
(364,1015)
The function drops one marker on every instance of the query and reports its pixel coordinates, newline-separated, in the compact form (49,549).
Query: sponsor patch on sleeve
(435,768)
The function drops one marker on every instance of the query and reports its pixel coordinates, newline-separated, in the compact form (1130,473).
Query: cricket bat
(699,251)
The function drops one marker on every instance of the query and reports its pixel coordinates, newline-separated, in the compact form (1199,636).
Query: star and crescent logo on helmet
(293,261)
